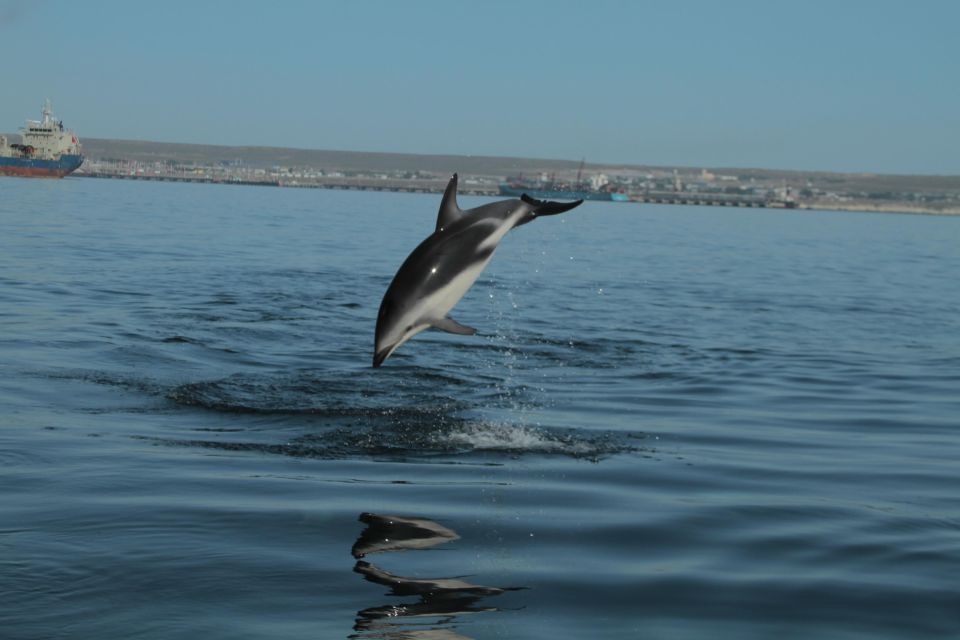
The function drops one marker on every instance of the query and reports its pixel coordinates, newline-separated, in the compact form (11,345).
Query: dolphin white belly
(438,304)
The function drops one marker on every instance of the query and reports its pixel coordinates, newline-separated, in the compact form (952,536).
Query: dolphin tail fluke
(449,210)
(548,208)
(450,325)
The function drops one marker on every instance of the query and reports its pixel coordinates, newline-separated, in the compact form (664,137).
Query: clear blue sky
(840,85)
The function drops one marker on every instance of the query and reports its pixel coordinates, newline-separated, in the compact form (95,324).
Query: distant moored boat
(598,187)
(559,190)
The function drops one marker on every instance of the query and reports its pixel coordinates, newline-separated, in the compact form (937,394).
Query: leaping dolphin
(439,272)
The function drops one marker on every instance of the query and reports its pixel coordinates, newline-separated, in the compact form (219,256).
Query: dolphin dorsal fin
(449,211)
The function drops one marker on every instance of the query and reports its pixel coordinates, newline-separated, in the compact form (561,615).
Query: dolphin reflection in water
(445,597)
(444,266)
(395,533)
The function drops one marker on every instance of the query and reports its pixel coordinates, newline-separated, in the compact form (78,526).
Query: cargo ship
(46,149)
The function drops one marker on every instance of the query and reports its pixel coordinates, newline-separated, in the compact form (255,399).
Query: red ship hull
(32,172)
(38,168)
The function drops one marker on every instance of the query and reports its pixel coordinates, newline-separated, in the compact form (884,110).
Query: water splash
(415,415)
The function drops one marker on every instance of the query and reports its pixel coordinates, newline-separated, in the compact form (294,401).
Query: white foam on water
(492,436)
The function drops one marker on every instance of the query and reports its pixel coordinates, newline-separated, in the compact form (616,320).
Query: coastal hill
(362,161)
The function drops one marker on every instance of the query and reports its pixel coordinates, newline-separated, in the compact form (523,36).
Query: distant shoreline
(481,175)
(436,186)
(866,207)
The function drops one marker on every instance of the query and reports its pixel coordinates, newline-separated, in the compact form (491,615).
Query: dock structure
(403,185)
(345,183)
(710,199)
(164,177)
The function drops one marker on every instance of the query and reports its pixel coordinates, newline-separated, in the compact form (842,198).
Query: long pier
(346,183)
(711,199)
(175,178)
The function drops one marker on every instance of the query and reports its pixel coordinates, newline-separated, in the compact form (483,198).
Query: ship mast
(47,112)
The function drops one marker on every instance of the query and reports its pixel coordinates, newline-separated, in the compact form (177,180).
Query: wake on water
(348,413)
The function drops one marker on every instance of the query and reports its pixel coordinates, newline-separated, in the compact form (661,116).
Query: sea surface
(674,422)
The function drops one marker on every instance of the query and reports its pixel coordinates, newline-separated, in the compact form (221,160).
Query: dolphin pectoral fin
(379,357)
(450,325)
(449,211)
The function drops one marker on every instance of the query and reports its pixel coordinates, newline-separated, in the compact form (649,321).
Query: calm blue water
(675,422)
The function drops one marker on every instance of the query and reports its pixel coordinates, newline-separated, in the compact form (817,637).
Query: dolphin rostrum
(445,265)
